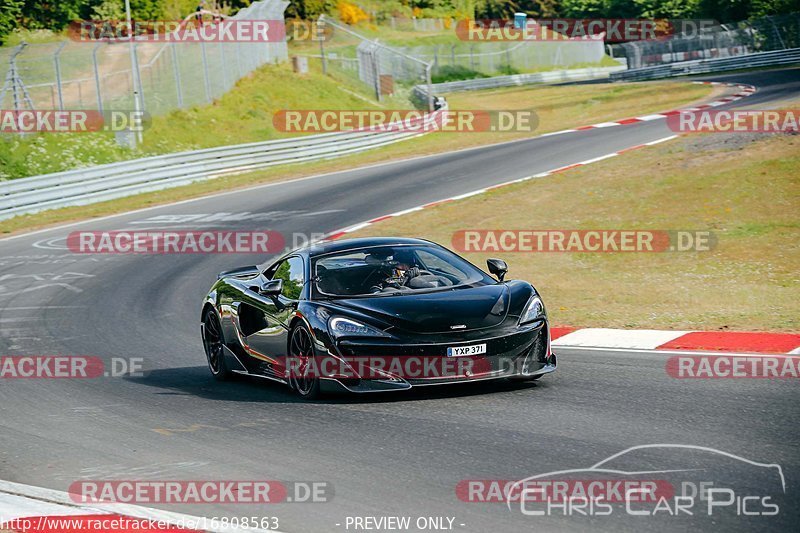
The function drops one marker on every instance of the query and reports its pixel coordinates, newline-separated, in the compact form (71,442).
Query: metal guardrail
(116,180)
(704,66)
(555,76)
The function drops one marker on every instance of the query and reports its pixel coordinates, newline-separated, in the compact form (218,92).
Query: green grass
(748,196)
(455,73)
(557,107)
(242,115)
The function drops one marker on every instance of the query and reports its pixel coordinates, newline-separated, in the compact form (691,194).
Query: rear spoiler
(241,272)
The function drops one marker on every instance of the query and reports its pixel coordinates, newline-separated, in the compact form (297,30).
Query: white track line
(747,90)
(669,352)
(361,225)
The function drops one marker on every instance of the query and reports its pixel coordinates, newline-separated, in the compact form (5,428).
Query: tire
(301,347)
(213,343)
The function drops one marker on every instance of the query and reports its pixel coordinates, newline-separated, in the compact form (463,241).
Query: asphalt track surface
(384,455)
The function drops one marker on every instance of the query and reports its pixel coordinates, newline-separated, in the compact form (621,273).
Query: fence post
(752,34)
(57,62)
(777,32)
(176,71)
(321,31)
(224,70)
(97,77)
(138,103)
(207,82)
(428,69)
(140,87)
(377,68)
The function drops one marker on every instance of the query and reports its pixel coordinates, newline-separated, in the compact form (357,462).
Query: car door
(268,321)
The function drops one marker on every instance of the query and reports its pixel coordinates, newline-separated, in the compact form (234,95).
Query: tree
(49,14)
(584,8)
(761,8)
(109,10)
(309,9)
(147,9)
(496,9)
(351,13)
(671,9)
(10,11)
(725,10)
(542,8)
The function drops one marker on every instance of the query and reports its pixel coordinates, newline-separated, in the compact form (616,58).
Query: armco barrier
(705,66)
(555,76)
(116,180)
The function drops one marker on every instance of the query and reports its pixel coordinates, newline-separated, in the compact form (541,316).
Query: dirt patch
(728,141)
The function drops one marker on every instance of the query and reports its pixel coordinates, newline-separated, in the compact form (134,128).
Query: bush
(455,73)
(350,13)
(507,70)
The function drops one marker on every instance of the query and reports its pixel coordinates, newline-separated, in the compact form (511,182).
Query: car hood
(465,308)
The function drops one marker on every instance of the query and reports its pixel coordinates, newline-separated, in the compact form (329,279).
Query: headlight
(533,311)
(347,327)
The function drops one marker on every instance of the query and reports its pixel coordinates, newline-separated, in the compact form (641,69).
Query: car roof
(326,247)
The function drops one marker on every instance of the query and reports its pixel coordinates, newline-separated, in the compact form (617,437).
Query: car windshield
(393,270)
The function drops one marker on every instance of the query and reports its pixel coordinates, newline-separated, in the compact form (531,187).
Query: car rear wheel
(302,370)
(213,342)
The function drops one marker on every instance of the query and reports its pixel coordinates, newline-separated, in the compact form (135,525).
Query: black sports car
(378,314)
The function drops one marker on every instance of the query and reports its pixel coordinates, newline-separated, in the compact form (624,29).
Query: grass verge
(558,107)
(244,114)
(743,188)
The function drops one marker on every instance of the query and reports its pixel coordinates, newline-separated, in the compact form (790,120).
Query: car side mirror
(498,267)
(271,288)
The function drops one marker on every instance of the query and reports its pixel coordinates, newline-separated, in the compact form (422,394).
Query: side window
(291,272)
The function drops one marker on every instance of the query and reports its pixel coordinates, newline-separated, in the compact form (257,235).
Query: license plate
(460,351)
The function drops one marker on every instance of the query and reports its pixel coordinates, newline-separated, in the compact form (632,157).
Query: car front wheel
(213,342)
(302,371)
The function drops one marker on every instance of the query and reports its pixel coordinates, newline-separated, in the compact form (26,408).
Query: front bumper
(520,353)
